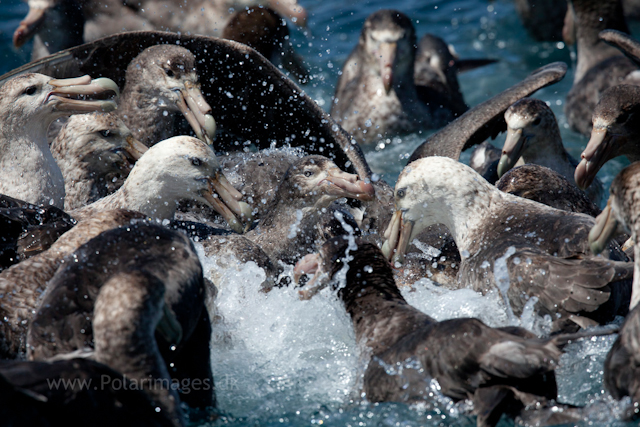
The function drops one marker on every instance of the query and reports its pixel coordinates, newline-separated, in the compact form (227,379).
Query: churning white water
(279,360)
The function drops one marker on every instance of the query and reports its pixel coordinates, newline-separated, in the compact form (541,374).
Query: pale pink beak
(343,184)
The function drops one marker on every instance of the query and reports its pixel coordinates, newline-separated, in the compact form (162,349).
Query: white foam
(501,277)
(441,303)
(272,352)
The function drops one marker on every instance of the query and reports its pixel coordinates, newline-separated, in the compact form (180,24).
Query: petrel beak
(511,150)
(290,9)
(600,149)
(387,54)
(397,237)
(226,201)
(569,27)
(307,265)
(29,25)
(197,112)
(311,264)
(343,184)
(169,327)
(135,148)
(604,230)
(83,95)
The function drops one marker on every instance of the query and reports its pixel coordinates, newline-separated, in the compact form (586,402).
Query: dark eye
(537,121)
(401,193)
(169,72)
(307,173)
(196,161)
(105,133)
(30,90)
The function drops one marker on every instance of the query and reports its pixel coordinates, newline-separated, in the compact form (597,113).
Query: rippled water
(281,361)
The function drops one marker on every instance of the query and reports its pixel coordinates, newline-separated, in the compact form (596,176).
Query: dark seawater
(280,361)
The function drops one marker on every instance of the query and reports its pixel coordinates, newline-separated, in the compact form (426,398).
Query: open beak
(135,148)
(599,150)
(511,150)
(307,265)
(311,264)
(387,54)
(397,237)
(343,184)
(226,201)
(197,112)
(169,327)
(29,25)
(604,230)
(83,95)
(291,10)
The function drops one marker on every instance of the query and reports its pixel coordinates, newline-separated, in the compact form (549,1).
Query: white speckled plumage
(487,224)
(27,168)
(28,104)
(164,175)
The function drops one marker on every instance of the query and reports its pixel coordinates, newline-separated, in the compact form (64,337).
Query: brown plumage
(28,230)
(258,175)
(376,97)
(533,136)
(26,281)
(487,119)
(286,230)
(501,371)
(616,132)
(95,153)
(622,365)
(599,65)
(267,32)
(161,86)
(128,309)
(436,78)
(286,233)
(66,318)
(261,95)
(546,186)
(511,244)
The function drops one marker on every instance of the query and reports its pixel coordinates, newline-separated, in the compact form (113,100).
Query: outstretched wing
(628,45)
(250,98)
(487,119)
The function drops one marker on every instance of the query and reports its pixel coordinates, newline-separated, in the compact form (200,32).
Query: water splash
(271,352)
(501,277)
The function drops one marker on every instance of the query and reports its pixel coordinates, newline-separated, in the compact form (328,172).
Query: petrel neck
(379,313)
(124,323)
(464,212)
(593,16)
(28,170)
(150,119)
